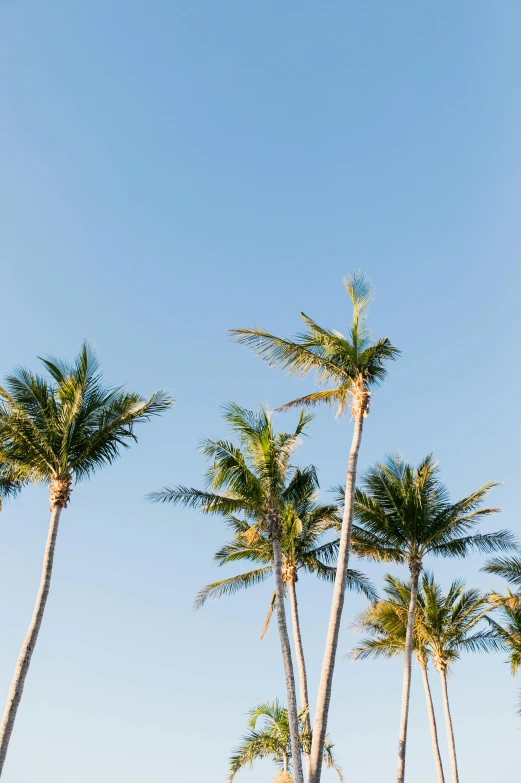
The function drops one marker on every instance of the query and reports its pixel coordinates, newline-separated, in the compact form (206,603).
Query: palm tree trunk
(304,698)
(337,605)
(26,653)
(288,665)
(303,677)
(409,639)
(450,729)
(432,720)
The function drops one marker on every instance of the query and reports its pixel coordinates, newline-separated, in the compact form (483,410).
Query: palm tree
(353,365)
(385,622)
(272,739)
(305,523)
(405,514)
(447,627)
(508,630)
(58,430)
(256,481)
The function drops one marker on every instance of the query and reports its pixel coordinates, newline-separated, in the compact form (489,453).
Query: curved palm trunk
(288,665)
(301,662)
(26,653)
(409,638)
(432,720)
(337,605)
(450,729)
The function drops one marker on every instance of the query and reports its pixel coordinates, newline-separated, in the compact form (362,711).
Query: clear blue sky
(174,169)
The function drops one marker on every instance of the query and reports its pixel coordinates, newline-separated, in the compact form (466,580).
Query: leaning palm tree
(447,627)
(269,736)
(405,514)
(255,481)
(385,622)
(305,526)
(57,431)
(353,365)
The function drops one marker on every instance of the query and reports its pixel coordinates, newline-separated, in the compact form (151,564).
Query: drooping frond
(507,567)
(231,585)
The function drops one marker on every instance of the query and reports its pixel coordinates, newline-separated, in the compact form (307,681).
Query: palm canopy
(385,623)
(352,364)
(404,513)
(444,626)
(508,630)
(447,622)
(269,737)
(305,525)
(250,482)
(71,423)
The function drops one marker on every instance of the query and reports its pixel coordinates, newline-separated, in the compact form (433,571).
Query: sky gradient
(172,170)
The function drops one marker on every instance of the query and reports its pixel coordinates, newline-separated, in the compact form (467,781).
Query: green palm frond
(336,360)
(71,424)
(507,567)
(232,585)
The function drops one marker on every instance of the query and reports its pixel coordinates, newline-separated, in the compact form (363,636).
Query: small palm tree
(305,524)
(447,627)
(269,737)
(385,622)
(405,514)
(255,481)
(353,365)
(57,431)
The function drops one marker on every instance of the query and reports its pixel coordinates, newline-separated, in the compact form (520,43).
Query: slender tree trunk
(24,660)
(337,605)
(432,720)
(450,729)
(288,666)
(409,639)
(303,677)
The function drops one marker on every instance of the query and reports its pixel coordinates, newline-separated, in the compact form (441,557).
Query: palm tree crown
(69,425)
(305,524)
(404,513)
(269,737)
(353,363)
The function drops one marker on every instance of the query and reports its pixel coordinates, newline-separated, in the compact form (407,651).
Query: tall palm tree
(269,737)
(255,480)
(447,627)
(385,622)
(305,524)
(353,365)
(59,430)
(405,514)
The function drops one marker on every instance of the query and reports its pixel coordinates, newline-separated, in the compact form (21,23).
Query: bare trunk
(409,638)
(337,605)
(450,729)
(24,660)
(432,720)
(303,677)
(288,665)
